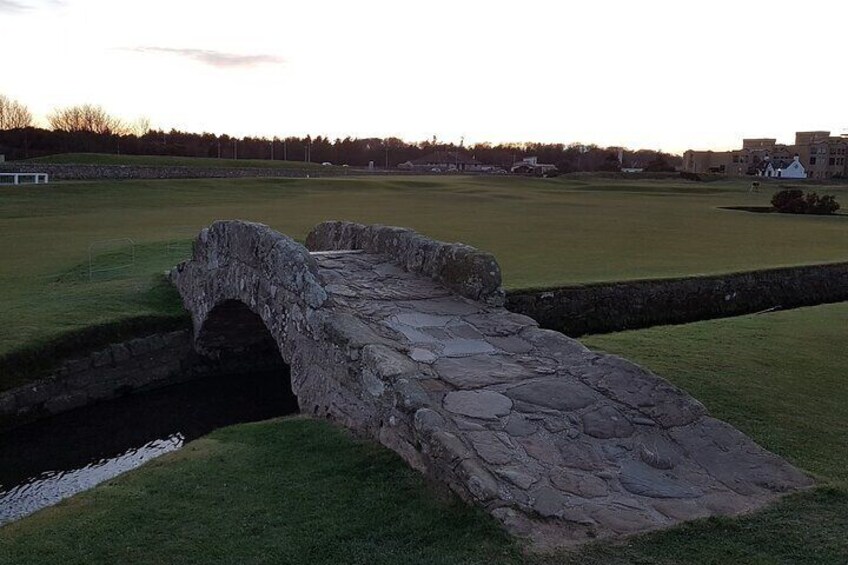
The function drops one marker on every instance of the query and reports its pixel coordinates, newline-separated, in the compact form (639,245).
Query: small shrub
(827,204)
(794,201)
(783,199)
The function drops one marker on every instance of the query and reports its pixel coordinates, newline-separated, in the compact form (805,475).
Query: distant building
(445,161)
(532,166)
(764,169)
(793,170)
(819,155)
(780,169)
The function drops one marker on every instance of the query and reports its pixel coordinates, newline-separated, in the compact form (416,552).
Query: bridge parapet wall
(270,273)
(463,269)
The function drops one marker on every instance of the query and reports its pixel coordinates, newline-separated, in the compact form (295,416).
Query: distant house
(445,161)
(532,166)
(792,170)
(765,169)
(780,169)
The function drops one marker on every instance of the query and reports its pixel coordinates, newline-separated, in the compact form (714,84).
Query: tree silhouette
(87,118)
(13,114)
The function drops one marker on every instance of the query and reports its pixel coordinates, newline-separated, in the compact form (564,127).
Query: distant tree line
(90,129)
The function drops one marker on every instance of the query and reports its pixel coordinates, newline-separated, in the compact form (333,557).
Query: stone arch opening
(240,342)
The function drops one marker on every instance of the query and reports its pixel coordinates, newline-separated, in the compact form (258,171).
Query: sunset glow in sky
(655,74)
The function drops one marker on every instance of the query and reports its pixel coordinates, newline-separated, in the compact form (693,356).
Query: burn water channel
(52,459)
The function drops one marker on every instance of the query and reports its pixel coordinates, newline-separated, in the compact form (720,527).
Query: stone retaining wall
(121,172)
(464,269)
(608,307)
(140,364)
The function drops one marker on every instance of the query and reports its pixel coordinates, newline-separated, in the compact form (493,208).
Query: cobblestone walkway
(543,427)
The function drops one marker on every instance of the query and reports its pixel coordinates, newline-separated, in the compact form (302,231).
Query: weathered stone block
(65,402)
(556,393)
(606,422)
(120,353)
(485,404)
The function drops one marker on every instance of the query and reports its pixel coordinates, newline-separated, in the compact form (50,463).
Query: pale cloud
(218,59)
(16,7)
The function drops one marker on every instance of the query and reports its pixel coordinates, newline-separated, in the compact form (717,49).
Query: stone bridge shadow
(233,332)
(405,340)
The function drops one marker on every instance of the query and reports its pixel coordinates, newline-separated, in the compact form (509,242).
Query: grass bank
(302,491)
(285,491)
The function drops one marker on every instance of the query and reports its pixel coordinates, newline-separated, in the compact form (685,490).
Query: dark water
(44,462)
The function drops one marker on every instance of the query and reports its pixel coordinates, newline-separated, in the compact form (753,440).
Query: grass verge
(36,358)
(286,491)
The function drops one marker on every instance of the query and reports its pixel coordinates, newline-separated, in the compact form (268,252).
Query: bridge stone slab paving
(406,340)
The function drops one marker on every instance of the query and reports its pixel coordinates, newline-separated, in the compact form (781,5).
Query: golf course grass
(77,254)
(297,490)
(84,261)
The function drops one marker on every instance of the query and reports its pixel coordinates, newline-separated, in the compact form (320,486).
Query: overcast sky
(656,74)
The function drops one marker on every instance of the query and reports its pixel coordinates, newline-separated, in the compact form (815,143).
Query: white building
(766,169)
(794,170)
(531,165)
(791,170)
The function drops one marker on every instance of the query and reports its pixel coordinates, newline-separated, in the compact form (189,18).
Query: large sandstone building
(823,156)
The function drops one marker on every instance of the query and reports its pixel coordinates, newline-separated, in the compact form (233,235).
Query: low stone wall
(464,269)
(140,364)
(121,172)
(608,307)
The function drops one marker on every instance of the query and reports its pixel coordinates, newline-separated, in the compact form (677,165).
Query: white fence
(35,178)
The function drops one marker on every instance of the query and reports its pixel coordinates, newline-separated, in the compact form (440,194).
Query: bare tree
(13,114)
(139,127)
(86,118)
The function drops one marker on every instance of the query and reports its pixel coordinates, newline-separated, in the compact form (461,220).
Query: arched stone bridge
(406,340)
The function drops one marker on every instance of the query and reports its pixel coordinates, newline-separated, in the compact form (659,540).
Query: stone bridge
(406,340)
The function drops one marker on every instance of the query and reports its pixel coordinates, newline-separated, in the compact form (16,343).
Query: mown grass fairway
(543,231)
(301,491)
